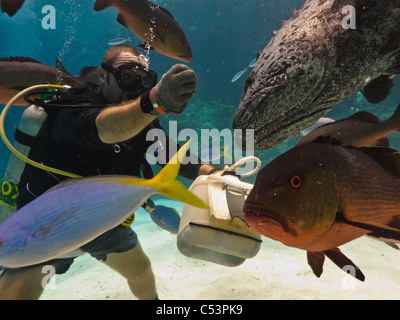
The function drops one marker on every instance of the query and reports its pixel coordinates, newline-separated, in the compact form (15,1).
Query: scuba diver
(107,136)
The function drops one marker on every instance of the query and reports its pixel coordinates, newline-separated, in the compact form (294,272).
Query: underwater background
(225,35)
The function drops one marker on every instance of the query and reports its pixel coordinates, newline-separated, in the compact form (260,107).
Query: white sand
(277,272)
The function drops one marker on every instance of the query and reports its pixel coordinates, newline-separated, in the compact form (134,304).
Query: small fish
(322,121)
(76,211)
(321,195)
(152,24)
(362,129)
(252,63)
(11,6)
(166,218)
(238,75)
(211,155)
(118,41)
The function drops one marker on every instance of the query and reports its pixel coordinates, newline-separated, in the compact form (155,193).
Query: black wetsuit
(68,140)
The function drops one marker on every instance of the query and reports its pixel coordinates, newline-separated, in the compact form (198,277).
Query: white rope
(241,162)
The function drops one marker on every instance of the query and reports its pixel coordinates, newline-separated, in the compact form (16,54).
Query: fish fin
(145,46)
(166,184)
(390,232)
(316,262)
(60,66)
(11,6)
(388,158)
(382,142)
(378,89)
(102,4)
(338,258)
(87,70)
(19,59)
(121,20)
(392,245)
(365,117)
(166,12)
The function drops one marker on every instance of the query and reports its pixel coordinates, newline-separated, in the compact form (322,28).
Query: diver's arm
(120,123)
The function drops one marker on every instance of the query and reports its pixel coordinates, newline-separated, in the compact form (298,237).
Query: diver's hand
(175,89)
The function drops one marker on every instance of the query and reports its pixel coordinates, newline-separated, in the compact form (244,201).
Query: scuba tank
(218,235)
(31,122)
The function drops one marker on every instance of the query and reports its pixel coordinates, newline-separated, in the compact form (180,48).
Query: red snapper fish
(321,195)
(152,24)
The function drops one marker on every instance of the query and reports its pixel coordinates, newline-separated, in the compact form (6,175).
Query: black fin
(87,70)
(316,262)
(377,232)
(121,20)
(338,258)
(166,11)
(365,117)
(60,66)
(19,59)
(378,89)
(11,6)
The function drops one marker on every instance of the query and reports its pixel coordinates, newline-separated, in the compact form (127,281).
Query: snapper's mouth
(257,217)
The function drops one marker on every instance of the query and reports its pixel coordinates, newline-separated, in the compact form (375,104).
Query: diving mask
(131,75)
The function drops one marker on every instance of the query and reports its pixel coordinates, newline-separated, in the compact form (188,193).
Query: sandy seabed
(276,272)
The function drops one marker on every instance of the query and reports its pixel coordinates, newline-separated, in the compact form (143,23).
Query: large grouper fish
(314,62)
(321,195)
(76,211)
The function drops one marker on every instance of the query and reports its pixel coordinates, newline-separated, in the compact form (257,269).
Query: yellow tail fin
(225,152)
(165,181)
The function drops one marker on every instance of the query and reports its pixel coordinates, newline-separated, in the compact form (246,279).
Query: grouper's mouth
(276,128)
(257,216)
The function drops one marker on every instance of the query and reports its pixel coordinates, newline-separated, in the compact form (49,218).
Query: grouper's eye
(295,181)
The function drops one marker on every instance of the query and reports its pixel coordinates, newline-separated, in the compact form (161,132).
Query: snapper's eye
(295,181)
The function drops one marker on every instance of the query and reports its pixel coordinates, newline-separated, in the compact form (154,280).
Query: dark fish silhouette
(11,6)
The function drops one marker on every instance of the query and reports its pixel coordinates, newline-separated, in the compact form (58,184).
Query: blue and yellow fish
(77,211)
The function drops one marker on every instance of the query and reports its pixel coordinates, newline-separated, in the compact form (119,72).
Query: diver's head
(124,74)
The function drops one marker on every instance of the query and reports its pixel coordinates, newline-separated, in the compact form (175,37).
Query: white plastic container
(218,235)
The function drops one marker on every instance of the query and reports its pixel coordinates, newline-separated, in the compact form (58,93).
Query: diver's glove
(175,89)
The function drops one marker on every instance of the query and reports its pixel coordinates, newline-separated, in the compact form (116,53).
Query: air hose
(11,147)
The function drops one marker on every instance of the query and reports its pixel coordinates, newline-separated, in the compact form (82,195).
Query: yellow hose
(11,147)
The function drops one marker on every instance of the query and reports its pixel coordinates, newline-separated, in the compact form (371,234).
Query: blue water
(225,35)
